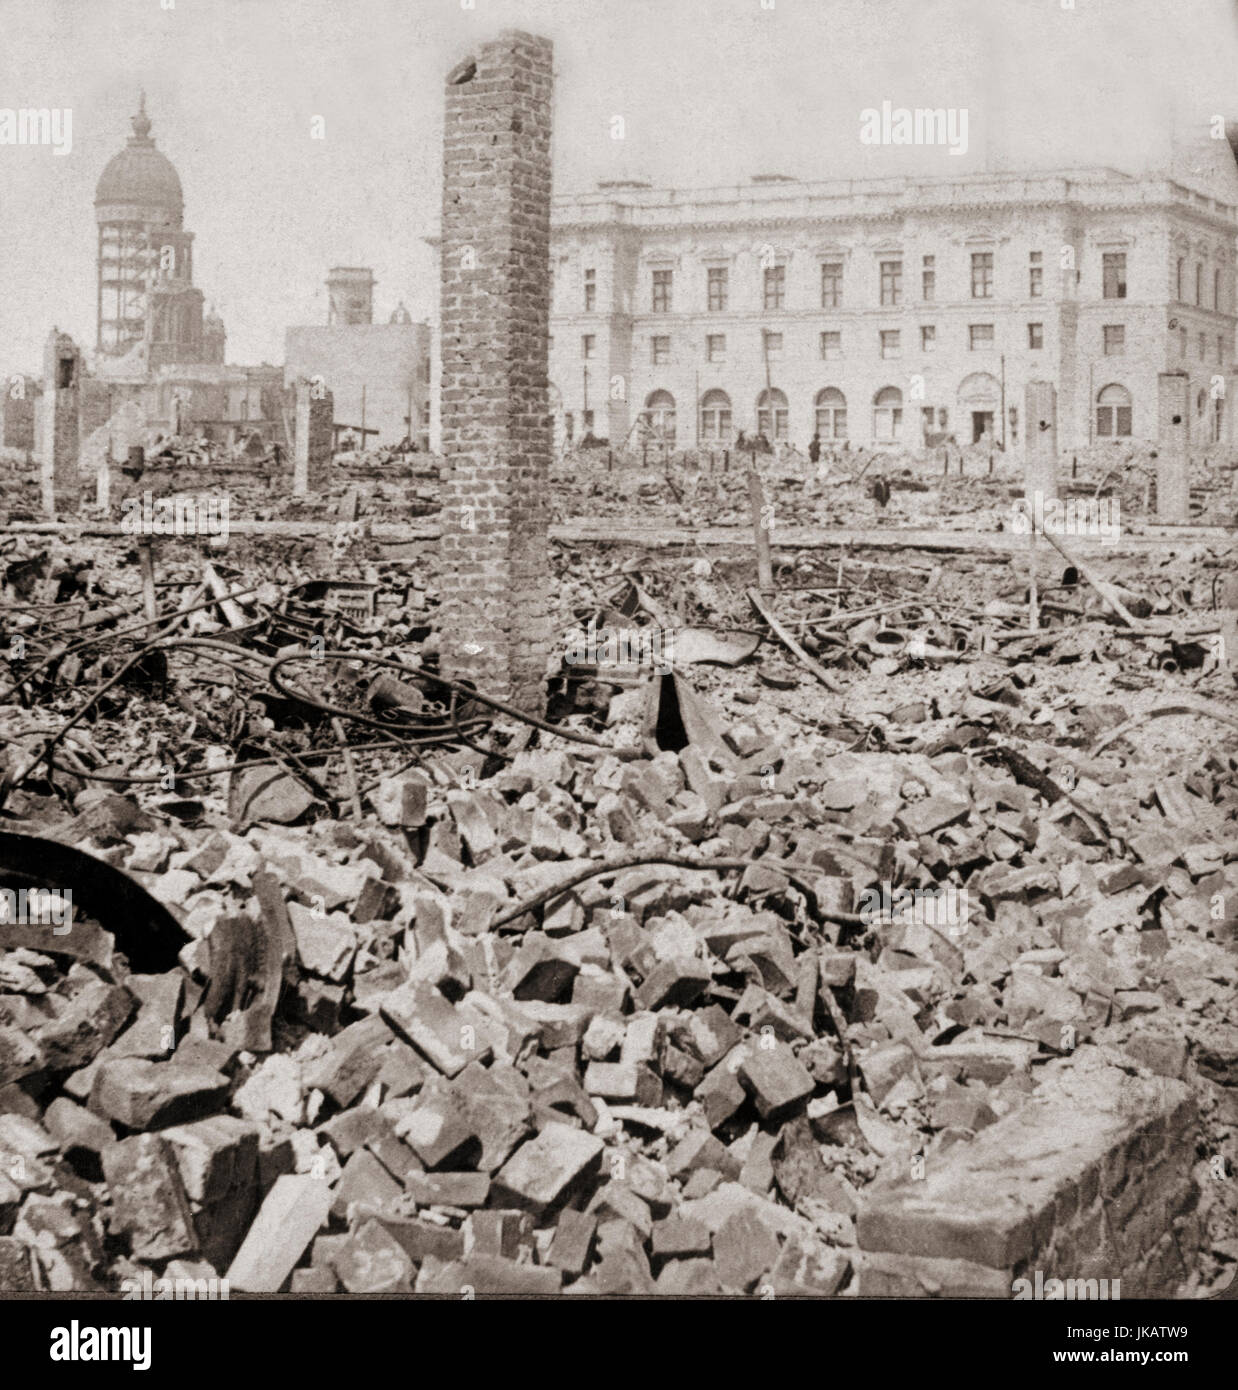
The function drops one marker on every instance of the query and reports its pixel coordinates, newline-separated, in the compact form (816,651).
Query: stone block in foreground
(1089,1180)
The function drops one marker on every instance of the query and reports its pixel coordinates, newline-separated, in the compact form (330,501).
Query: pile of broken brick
(423,1051)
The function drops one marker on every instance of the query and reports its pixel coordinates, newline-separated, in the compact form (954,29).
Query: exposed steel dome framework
(145,257)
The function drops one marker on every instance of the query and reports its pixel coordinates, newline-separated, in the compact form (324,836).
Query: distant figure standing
(814,449)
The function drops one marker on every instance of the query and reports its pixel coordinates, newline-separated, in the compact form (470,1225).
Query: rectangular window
(661,303)
(715,347)
(1114,339)
(660,350)
(831,284)
(1203,347)
(1181,272)
(1035,275)
(591,291)
(927,413)
(1220,347)
(1035,335)
(717,276)
(888,423)
(890,343)
(772,424)
(831,345)
(775,286)
(1113,264)
(891,283)
(1182,340)
(979,336)
(587,345)
(715,421)
(1199,284)
(928,337)
(773,346)
(982,275)
(586,421)
(1216,289)
(928,279)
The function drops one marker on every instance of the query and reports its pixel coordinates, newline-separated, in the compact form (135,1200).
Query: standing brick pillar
(62,371)
(1040,440)
(1173,464)
(496,422)
(311,445)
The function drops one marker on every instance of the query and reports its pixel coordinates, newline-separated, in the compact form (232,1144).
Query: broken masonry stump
(760,531)
(62,369)
(1090,1179)
(1040,441)
(311,445)
(1173,467)
(496,418)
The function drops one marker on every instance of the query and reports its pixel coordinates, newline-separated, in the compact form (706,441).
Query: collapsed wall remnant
(315,420)
(1091,1179)
(1173,468)
(62,369)
(495,398)
(111,445)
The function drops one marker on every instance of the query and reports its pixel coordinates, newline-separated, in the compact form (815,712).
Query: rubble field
(866,931)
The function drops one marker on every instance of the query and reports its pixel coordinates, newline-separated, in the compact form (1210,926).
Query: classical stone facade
(495,312)
(889,312)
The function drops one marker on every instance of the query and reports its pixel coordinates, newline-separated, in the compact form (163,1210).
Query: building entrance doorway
(981,425)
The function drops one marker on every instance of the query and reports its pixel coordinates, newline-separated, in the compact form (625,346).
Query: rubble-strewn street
(619,668)
(410,993)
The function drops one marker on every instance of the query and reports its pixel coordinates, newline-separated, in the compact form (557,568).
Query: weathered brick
(495,304)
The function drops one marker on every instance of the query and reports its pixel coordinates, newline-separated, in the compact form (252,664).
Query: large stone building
(378,373)
(893,311)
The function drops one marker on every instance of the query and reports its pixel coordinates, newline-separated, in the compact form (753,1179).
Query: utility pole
(769,390)
(1003,402)
(696,404)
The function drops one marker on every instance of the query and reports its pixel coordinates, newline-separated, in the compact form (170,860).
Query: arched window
(1113,412)
(888,415)
(831,413)
(659,415)
(716,417)
(772,414)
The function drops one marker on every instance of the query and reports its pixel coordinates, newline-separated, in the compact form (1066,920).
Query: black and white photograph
(620,649)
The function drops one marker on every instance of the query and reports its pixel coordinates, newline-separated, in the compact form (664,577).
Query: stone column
(495,315)
(311,446)
(1173,433)
(62,369)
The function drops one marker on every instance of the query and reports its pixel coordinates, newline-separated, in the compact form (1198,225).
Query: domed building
(147,304)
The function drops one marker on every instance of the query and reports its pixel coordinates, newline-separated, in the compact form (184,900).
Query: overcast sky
(711,91)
